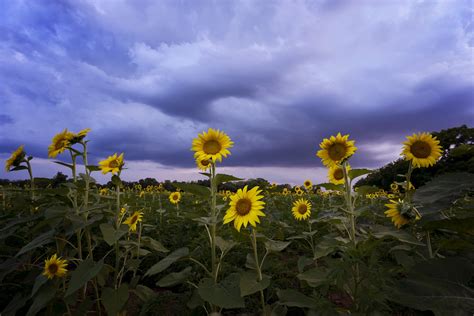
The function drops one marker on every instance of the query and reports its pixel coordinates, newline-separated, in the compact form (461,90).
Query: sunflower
(78,137)
(301,209)
(203,163)
(175,197)
(245,208)
(55,266)
(336,174)
(422,149)
(299,192)
(212,145)
(133,220)
(401,213)
(308,184)
(285,191)
(142,193)
(112,164)
(60,143)
(394,186)
(15,159)
(336,149)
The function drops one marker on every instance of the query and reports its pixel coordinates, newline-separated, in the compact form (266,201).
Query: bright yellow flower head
(80,136)
(336,149)
(203,163)
(394,186)
(336,174)
(15,158)
(308,184)
(422,149)
(301,209)
(55,266)
(212,145)
(175,197)
(133,220)
(245,207)
(113,164)
(285,191)
(401,213)
(60,143)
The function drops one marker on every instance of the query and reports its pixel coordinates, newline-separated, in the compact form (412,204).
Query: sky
(276,76)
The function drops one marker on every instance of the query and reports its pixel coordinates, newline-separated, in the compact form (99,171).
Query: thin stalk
(253,239)
(428,244)
(213,222)
(350,208)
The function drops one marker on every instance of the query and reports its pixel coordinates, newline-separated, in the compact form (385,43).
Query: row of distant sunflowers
(246,205)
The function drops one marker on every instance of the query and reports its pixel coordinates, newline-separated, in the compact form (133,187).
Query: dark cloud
(148,77)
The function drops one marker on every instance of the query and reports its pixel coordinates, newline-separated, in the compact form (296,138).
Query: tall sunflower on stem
(246,208)
(15,163)
(210,148)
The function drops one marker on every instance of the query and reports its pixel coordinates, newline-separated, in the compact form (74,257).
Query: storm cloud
(277,76)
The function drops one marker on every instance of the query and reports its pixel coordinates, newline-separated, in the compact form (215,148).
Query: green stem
(213,222)
(428,243)
(253,239)
(350,208)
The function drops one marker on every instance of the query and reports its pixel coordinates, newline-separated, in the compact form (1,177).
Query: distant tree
(457,145)
(147,181)
(58,179)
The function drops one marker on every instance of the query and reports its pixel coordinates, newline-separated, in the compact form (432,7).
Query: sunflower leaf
(174,278)
(64,164)
(114,299)
(225,294)
(221,178)
(85,271)
(167,261)
(195,189)
(249,283)
(355,173)
(297,299)
(275,245)
(331,186)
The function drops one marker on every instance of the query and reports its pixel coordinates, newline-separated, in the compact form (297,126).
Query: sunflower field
(332,248)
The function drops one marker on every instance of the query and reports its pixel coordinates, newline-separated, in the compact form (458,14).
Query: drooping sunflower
(301,209)
(422,149)
(60,143)
(175,197)
(203,163)
(55,266)
(133,220)
(212,145)
(15,159)
(336,174)
(245,207)
(308,184)
(113,164)
(80,136)
(335,149)
(401,213)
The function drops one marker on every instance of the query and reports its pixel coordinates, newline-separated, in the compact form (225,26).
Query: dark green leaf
(175,278)
(86,270)
(222,178)
(166,262)
(249,283)
(39,241)
(114,299)
(110,234)
(225,294)
(297,299)
(195,189)
(355,173)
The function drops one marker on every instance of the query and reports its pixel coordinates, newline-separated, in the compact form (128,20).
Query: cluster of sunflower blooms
(422,150)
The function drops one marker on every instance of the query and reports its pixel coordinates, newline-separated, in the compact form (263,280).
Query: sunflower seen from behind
(422,149)
(15,159)
(60,143)
(336,174)
(55,267)
(245,207)
(175,197)
(212,145)
(133,220)
(112,164)
(336,149)
(301,209)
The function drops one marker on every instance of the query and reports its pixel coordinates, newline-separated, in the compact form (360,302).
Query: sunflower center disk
(338,174)
(420,149)
(53,268)
(205,162)
(134,219)
(212,147)
(337,151)
(302,209)
(113,164)
(243,206)
(175,197)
